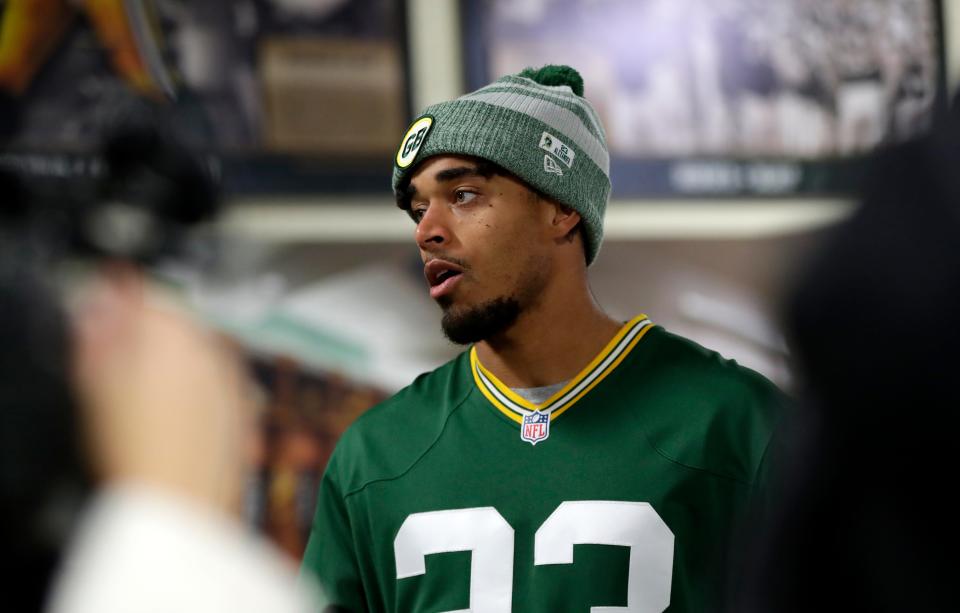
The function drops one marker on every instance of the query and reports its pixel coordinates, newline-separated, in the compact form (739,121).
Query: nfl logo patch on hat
(535,427)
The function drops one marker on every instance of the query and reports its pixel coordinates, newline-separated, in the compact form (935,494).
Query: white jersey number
(482,531)
(487,535)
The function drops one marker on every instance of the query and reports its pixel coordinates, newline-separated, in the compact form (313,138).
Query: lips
(442,276)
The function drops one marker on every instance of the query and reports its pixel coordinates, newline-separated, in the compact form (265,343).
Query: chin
(473,323)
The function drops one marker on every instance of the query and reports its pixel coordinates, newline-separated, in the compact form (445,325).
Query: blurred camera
(138,199)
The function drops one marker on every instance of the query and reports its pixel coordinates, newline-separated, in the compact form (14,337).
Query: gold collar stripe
(515,407)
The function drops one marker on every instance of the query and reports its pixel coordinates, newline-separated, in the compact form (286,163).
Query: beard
(489,319)
(480,322)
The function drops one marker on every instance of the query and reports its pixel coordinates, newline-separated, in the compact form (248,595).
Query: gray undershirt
(538,395)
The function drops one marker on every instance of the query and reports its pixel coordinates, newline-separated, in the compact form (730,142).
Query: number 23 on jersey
(486,534)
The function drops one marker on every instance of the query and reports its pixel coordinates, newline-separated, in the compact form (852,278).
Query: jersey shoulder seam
(443,428)
(707,471)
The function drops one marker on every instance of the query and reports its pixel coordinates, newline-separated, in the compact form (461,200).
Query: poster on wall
(729,97)
(302,413)
(289,95)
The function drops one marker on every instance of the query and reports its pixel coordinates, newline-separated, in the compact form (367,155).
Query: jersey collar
(515,406)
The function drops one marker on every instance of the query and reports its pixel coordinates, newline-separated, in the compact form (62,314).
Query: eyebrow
(451,174)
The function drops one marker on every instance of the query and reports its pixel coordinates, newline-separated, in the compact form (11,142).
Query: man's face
(482,240)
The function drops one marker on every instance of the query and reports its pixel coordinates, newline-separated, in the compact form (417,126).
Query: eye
(463,196)
(417,212)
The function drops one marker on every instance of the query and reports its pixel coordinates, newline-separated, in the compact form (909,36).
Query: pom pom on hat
(555,74)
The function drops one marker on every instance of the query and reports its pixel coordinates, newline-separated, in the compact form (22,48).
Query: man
(469,489)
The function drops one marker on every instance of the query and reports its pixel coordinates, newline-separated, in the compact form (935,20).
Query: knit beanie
(536,125)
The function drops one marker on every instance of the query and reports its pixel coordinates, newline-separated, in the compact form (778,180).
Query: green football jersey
(619,493)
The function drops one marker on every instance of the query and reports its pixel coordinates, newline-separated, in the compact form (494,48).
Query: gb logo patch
(413,140)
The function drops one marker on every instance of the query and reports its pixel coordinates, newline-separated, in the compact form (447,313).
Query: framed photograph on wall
(729,97)
(291,96)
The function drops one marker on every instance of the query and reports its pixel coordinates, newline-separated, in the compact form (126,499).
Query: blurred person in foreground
(566,460)
(865,522)
(122,422)
(162,403)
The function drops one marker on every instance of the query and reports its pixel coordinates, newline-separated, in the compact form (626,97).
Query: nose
(433,230)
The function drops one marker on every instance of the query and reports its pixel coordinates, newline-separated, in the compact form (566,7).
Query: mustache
(448,258)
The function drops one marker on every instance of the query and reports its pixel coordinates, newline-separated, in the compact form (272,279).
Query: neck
(551,341)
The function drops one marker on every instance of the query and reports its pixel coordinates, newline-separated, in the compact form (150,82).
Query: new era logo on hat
(551,166)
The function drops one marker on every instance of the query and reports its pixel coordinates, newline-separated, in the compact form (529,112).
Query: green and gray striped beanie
(536,125)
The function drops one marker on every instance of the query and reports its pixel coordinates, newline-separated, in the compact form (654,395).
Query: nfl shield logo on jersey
(535,427)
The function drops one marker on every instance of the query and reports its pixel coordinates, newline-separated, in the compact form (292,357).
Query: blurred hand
(163,399)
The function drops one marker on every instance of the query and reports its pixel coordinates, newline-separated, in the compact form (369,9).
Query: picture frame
(729,99)
(285,97)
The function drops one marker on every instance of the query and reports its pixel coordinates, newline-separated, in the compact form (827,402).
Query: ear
(565,220)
